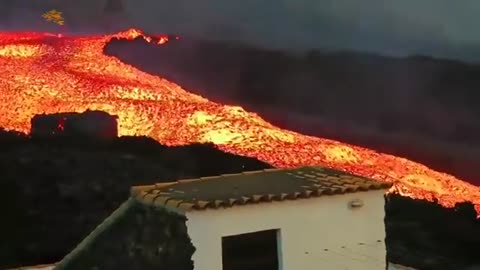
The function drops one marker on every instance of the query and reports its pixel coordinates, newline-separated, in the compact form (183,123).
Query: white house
(307,218)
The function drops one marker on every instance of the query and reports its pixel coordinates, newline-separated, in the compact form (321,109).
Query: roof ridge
(137,190)
(141,188)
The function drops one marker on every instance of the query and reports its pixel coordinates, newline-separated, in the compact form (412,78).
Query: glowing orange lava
(46,73)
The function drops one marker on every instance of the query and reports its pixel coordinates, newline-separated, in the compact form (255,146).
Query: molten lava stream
(45,73)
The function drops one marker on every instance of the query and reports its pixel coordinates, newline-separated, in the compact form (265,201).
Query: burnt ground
(54,192)
(417,107)
(426,236)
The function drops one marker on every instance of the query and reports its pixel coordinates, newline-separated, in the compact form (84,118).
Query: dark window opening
(251,251)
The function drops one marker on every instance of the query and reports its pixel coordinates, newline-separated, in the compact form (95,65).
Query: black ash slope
(53,193)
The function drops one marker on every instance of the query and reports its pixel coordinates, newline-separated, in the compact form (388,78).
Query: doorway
(252,251)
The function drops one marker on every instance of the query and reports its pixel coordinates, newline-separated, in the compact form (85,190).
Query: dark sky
(443,28)
(437,27)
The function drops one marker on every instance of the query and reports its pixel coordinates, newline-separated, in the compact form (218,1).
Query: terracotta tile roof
(252,187)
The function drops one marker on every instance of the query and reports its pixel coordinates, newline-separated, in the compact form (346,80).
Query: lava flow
(46,73)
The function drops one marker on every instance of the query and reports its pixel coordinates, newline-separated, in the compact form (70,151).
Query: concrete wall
(318,233)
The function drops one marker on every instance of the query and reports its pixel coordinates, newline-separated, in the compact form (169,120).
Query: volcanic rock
(54,191)
(89,124)
(426,236)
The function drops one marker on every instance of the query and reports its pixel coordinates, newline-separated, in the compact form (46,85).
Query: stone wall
(425,236)
(136,236)
(89,124)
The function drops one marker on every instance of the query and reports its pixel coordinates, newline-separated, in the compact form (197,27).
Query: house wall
(316,233)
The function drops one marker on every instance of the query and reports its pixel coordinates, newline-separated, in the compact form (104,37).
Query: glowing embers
(232,125)
(424,182)
(341,154)
(23,50)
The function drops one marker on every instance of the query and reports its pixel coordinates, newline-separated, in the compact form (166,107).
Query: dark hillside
(54,192)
